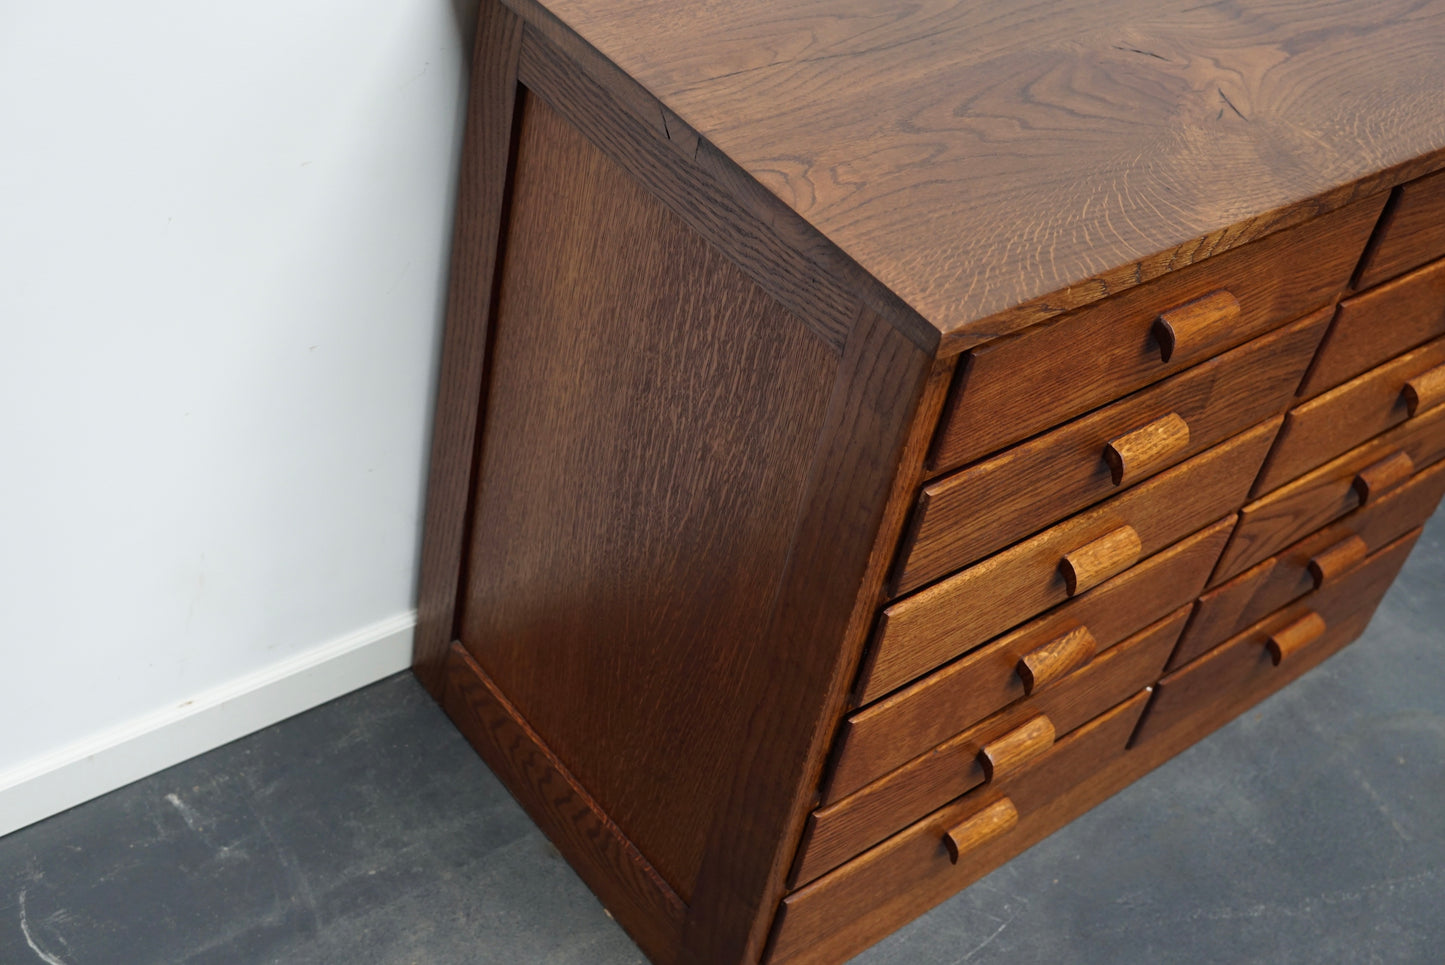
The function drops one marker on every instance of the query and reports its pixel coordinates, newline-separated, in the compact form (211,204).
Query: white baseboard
(144,745)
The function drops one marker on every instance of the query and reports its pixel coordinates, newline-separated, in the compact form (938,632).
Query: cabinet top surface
(978,157)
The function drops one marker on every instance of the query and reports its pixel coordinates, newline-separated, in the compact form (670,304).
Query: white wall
(223,234)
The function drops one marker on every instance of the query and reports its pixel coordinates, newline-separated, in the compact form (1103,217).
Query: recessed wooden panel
(646,439)
(610,864)
(476,232)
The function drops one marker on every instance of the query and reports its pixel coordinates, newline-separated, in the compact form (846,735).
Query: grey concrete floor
(1311,830)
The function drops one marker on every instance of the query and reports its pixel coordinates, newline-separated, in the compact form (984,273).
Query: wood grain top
(997,164)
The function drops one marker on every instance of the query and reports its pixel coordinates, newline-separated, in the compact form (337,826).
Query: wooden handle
(1056,659)
(1340,558)
(1425,391)
(1185,330)
(1375,480)
(978,830)
(1093,563)
(1016,748)
(1292,639)
(1146,449)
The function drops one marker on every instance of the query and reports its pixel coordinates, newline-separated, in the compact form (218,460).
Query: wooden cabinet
(870,435)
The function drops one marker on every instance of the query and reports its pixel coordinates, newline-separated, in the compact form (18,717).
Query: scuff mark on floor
(40,953)
(188,813)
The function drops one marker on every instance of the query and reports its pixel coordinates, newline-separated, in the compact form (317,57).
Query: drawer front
(845,911)
(988,752)
(1215,684)
(1308,565)
(1362,475)
(1347,415)
(953,616)
(1377,325)
(1411,232)
(1014,387)
(1034,657)
(1097,456)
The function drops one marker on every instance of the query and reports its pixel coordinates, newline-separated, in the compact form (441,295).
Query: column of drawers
(1139,520)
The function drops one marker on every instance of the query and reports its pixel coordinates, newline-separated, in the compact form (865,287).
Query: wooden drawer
(1323,621)
(1043,650)
(986,752)
(1297,509)
(951,617)
(1307,565)
(1347,415)
(1411,231)
(846,910)
(1014,387)
(1092,458)
(1378,325)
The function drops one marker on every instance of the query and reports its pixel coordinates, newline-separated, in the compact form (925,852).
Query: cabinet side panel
(650,424)
(481,197)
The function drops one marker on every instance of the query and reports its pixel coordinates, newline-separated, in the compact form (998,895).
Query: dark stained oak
(907,792)
(772,245)
(592,559)
(476,233)
(1013,387)
(998,165)
(1411,233)
(1347,415)
(954,615)
(976,685)
(1236,668)
(1067,469)
(848,909)
(1313,563)
(1373,326)
(1317,498)
(802,665)
(611,865)
(913,719)
(754,305)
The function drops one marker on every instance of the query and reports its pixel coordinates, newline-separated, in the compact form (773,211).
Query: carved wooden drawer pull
(1375,480)
(996,819)
(1425,391)
(1138,453)
(1340,558)
(1185,330)
(1016,748)
(1056,659)
(1093,563)
(1288,641)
